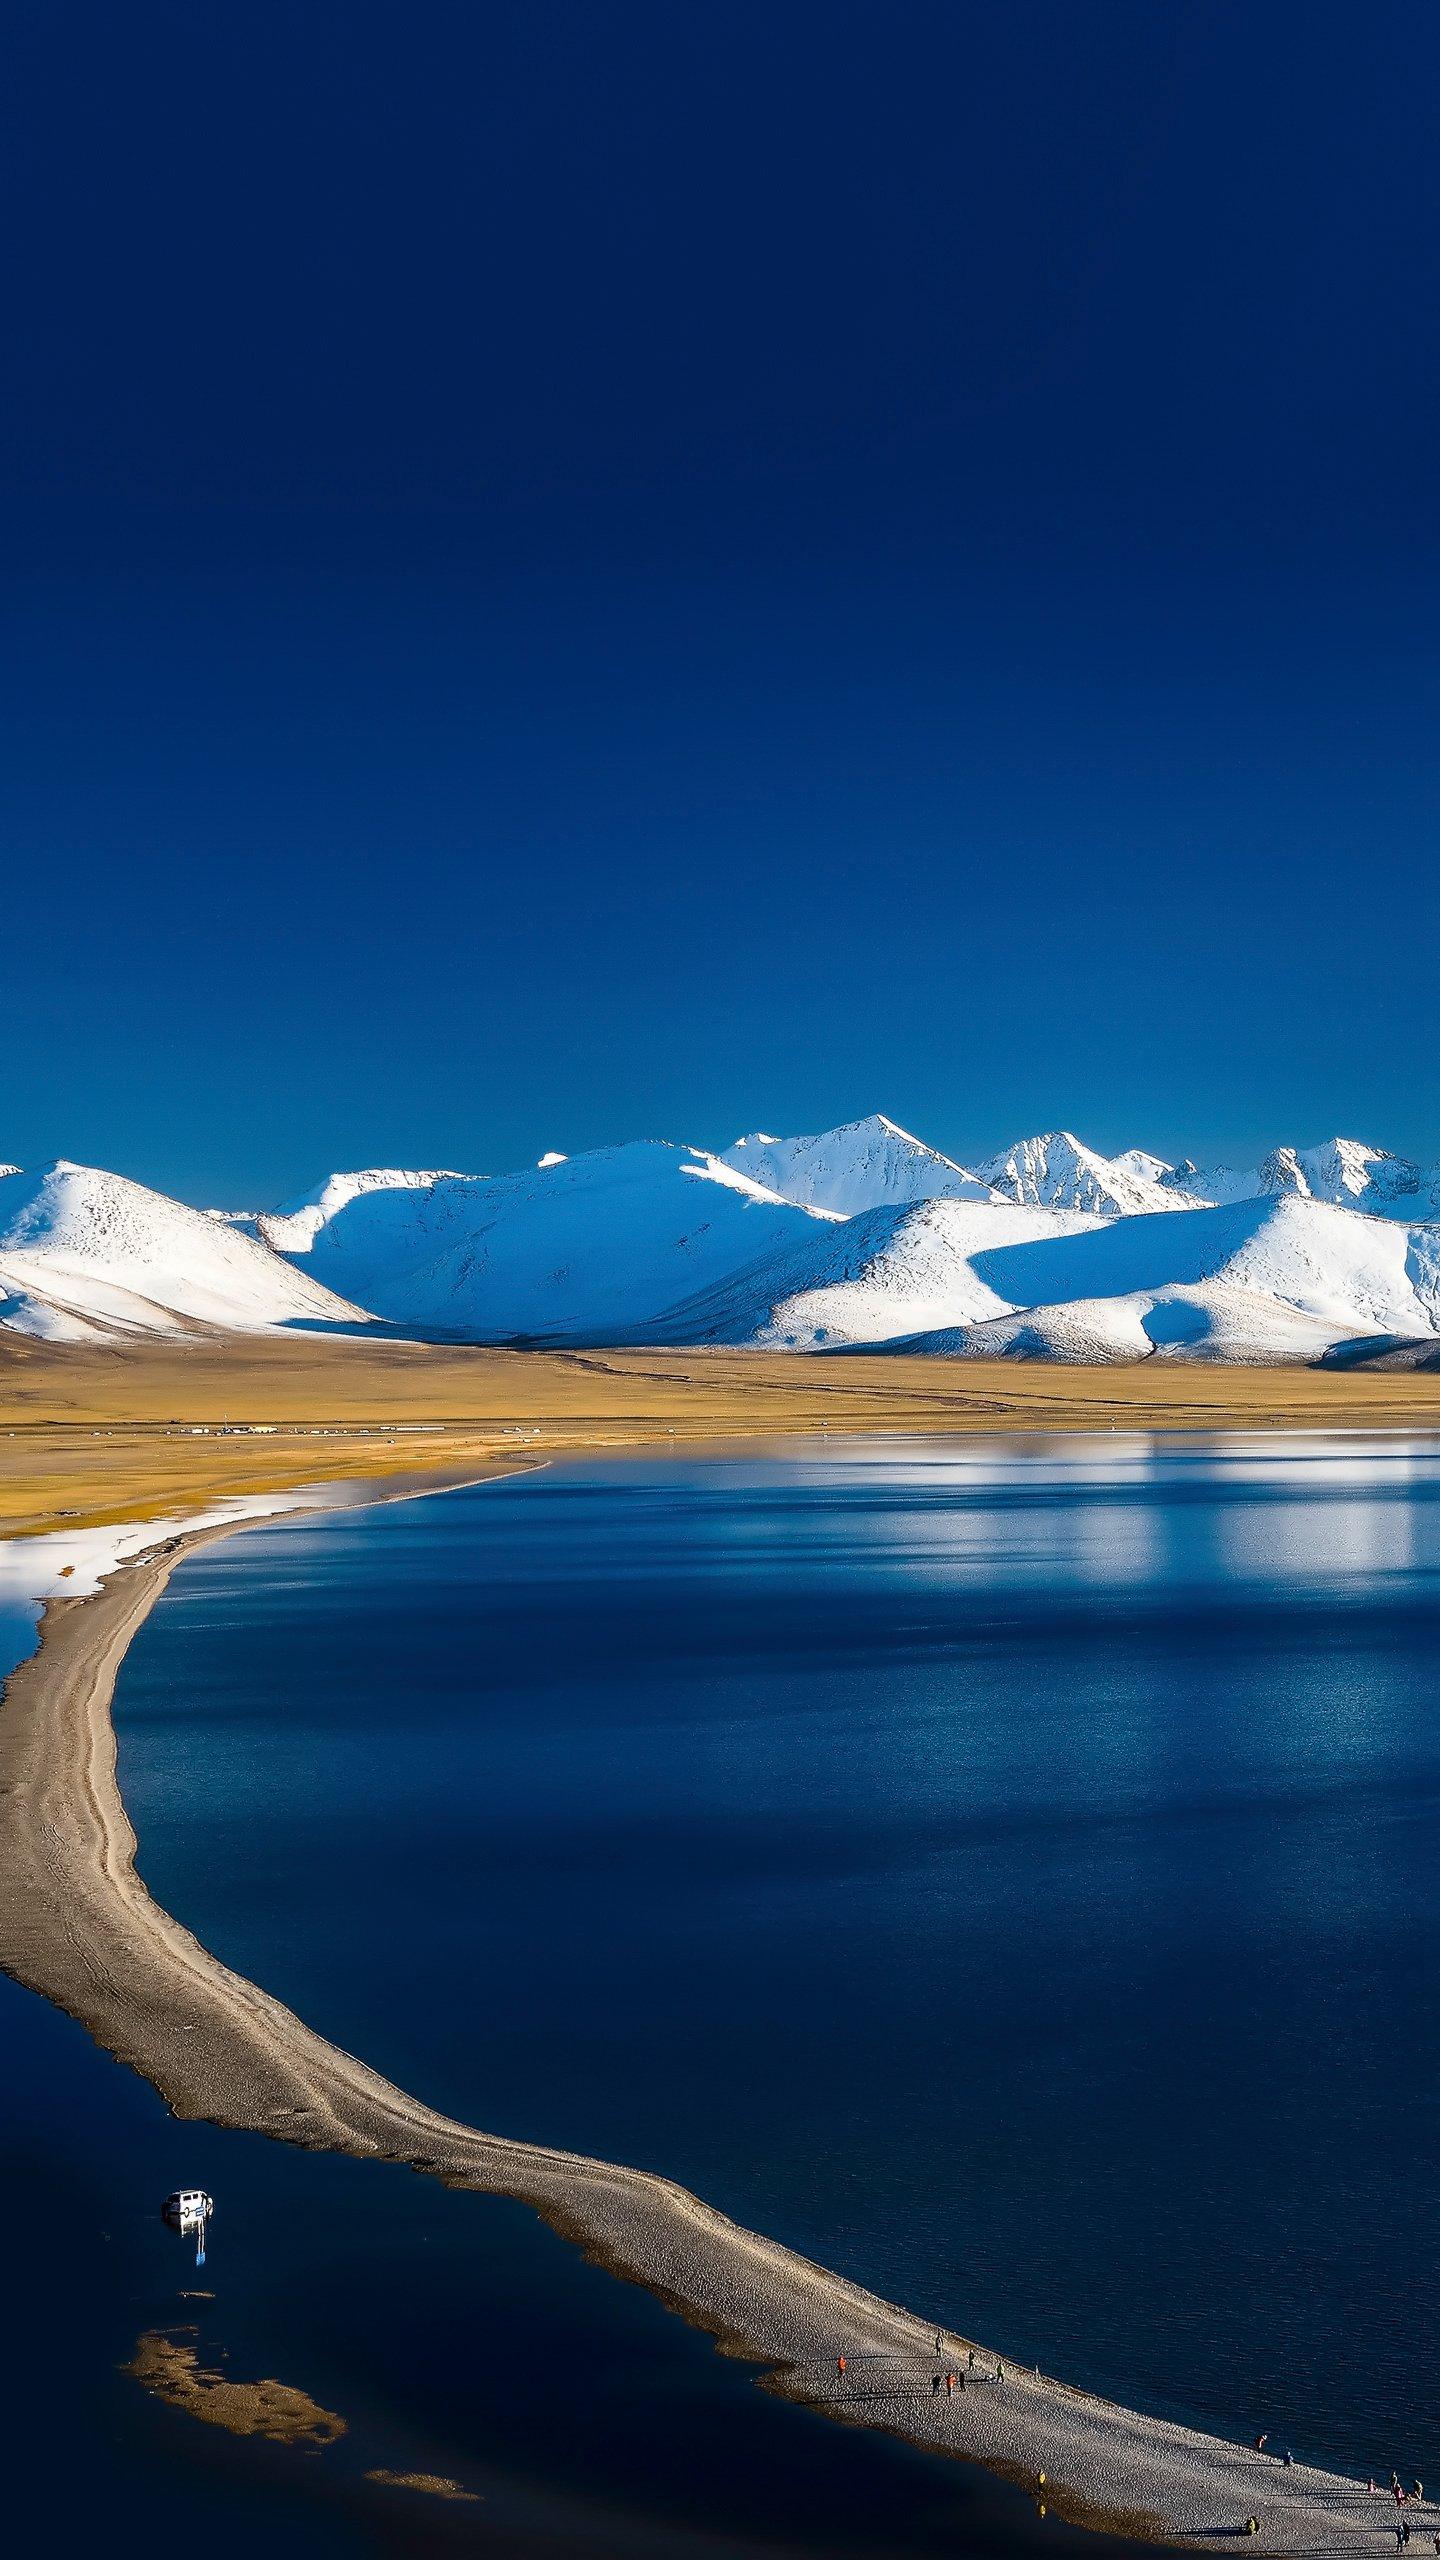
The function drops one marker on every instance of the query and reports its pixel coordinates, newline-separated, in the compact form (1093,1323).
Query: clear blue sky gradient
(576,572)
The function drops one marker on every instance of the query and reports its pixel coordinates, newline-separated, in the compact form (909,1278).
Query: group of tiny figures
(950,2382)
(1403,2497)
(954,2381)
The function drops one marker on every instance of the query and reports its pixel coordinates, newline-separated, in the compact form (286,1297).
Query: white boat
(189,2209)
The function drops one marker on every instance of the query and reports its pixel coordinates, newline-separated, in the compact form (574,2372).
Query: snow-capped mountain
(1146,1168)
(1343,1171)
(1059,1172)
(859,1236)
(293,1227)
(86,1255)
(372,1238)
(1258,1279)
(585,1248)
(867,1164)
(869,1278)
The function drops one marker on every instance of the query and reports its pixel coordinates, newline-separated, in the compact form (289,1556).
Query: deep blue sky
(576,571)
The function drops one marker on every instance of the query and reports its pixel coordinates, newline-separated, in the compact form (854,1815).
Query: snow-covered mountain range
(861,1236)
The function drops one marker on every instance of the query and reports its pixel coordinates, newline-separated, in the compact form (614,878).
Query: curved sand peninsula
(78,1925)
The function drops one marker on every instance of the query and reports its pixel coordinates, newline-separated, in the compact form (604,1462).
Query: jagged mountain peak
(870,1163)
(1056,1170)
(1347,1173)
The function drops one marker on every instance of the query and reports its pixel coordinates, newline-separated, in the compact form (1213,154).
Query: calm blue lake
(1009,1873)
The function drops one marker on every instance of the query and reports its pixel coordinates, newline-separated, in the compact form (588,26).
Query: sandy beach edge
(78,1925)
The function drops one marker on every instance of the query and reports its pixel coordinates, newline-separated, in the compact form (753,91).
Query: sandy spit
(78,1925)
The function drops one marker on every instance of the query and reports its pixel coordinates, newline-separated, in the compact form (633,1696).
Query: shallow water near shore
(450,2336)
(1003,1872)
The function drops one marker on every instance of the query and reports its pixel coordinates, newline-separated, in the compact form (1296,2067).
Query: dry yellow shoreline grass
(93,1433)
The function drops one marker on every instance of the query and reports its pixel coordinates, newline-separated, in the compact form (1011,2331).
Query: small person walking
(1287,2460)
(949,2386)
(1418,2493)
(839,2368)
(1262,2440)
(934,2384)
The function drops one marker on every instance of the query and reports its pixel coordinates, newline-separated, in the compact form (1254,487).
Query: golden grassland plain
(91,1433)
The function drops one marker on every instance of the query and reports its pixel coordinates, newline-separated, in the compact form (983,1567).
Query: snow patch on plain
(71,1564)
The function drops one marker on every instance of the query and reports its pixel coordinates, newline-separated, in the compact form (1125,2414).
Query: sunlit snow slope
(1280,1279)
(293,1228)
(886,1273)
(86,1254)
(867,1164)
(593,1247)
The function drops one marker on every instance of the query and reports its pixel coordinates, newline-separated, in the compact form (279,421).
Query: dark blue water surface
(452,2334)
(1010,1874)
